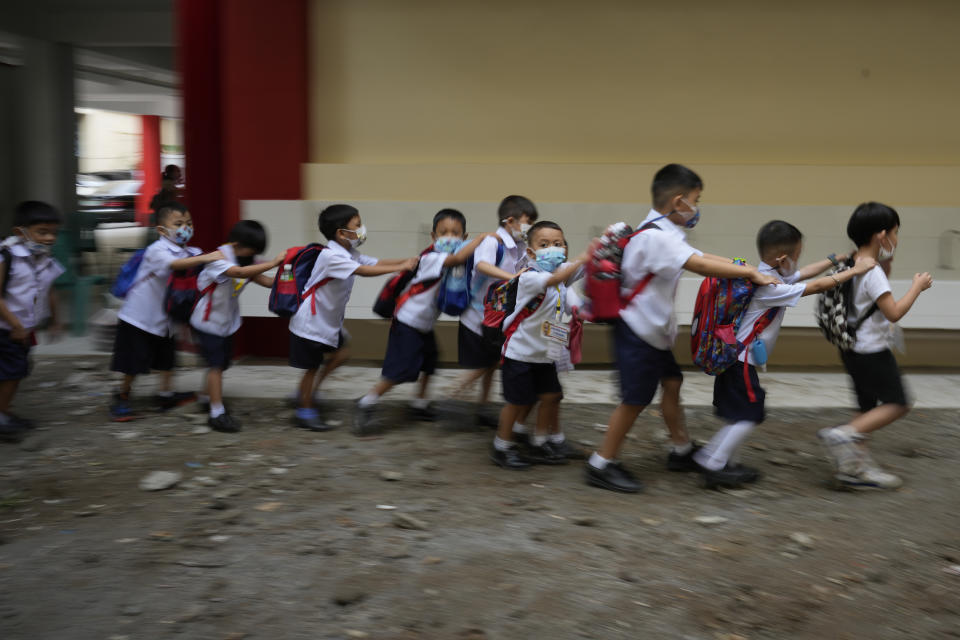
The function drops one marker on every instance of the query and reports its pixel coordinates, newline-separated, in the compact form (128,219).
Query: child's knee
(550,398)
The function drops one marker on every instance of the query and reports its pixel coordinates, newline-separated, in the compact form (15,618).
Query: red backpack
(392,296)
(499,304)
(604,278)
(288,290)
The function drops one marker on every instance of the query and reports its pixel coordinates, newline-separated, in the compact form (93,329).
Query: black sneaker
(612,477)
(546,453)
(120,410)
(685,462)
(11,432)
(749,473)
(225,423)
(728,477)
(178,399)
(522,439)
(310,420)
(426,414)
(509,459)
(23,423)
(363,424)
(569,451)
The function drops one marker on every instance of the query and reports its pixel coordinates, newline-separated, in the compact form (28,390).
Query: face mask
(447,244)
(360,238)
(517,235)
(244,261)
(36,248)
(180,235)
(694,217)
(789,267)
(884,253)
(550,258)
(524,230)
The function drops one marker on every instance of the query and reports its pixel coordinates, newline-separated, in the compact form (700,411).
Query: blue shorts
(136,351)
(731,398)
(217,351)
(408,353)
(308,354)
(641,366)
(14,357)
(525,382)
(473,352)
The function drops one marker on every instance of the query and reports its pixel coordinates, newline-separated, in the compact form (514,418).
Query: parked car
(87,183)
(114,201)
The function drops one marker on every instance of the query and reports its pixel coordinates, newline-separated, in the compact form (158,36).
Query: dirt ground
(280,533)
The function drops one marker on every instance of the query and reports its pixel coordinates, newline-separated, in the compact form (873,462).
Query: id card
(554,332)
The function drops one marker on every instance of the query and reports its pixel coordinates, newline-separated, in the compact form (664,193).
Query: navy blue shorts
(408,353)
(876,378)
(473,352)
(525,382)
(136,351)
(217,351)
(641,366)
(14,357)
(731,398)
(309,354)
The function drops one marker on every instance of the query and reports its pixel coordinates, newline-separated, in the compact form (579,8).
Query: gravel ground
(280,533)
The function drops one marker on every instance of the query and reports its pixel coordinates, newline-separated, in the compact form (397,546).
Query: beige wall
(108,140)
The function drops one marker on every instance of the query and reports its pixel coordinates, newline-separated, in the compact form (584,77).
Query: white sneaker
(868,477)
(842,448)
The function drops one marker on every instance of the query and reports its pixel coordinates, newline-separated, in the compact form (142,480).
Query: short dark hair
(777,235)
(671,180)
(868,219)
(249,234)
(450,214)
(516,207)
(31,212)
(335,217)
(540,226)
(169,170)
(167,209)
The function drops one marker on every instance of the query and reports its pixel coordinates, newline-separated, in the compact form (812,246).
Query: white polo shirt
(331,299)
(662,252)
(514,255)
(420,311)
(875,334)
(765,298)
(224,300)
(143,306)
(28,284)
(527,343)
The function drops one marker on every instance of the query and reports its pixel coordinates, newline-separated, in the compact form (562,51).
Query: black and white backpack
(833,310)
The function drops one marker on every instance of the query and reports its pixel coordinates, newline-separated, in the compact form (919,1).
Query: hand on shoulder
(864,264)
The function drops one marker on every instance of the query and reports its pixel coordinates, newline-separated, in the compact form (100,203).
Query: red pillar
(149,165)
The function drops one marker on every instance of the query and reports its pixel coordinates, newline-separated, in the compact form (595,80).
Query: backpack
(127,276)
(182,295)
(833,309)
(498,305)
(477,298)
(603,285)
(287,292)
(392,296)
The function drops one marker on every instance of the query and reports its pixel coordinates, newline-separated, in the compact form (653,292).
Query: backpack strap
(414,290)
(637,290)
(7,265)
(761,323)
(312,292)
(528,310)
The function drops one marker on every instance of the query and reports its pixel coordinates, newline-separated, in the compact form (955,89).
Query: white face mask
(884,253)
(524,230)
(361,236)
(788,267)
(36,248)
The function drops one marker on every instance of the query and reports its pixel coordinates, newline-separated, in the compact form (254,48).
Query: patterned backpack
(833,309)
(604,277)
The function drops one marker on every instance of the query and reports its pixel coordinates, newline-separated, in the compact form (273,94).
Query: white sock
(369,400)
(501,445)
(598,462)
(682,449)
(217,410)
(519,427)
(723,445)
(420,403)
(556,438)
(538,439)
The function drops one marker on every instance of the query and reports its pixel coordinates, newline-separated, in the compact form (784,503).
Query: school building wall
(796,111)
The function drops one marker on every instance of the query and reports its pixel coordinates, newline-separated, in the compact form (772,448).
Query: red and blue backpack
(717,314)
(396,292)
(289,285)
(498,305)
(183,295)
(603,284)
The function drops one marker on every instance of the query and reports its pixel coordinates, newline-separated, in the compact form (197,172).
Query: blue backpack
(477,298)
(453,298)
(289,285)
(127,275)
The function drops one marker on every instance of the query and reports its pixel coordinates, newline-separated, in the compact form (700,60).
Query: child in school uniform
(216,317)
(316,330)
(412,345)
(144,339)
(741,406)
(27,273)
(515,216)
(872,367)
(647,329)
(532,348)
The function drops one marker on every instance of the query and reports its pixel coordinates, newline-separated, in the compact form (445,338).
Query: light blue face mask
(180,235)
(447,244)
(36,248)
(550,258)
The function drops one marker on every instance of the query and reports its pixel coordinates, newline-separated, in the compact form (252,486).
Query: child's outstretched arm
(818,267)
(252,271)
(379,269)
(195,261)
(862,265)
(894,310)
(566,272)
(461,257)
(392,262)
(708,267)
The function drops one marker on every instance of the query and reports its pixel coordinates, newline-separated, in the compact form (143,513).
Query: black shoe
(363,424)
(426,414)
(487,419)
(684,463)
(729,477)
(546,453)
(749,473)
(23,423)
(613,477)
(178,399)
(312,422)
(522,439)
(11,432)
(509,459)
(569,451)
(225,423)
